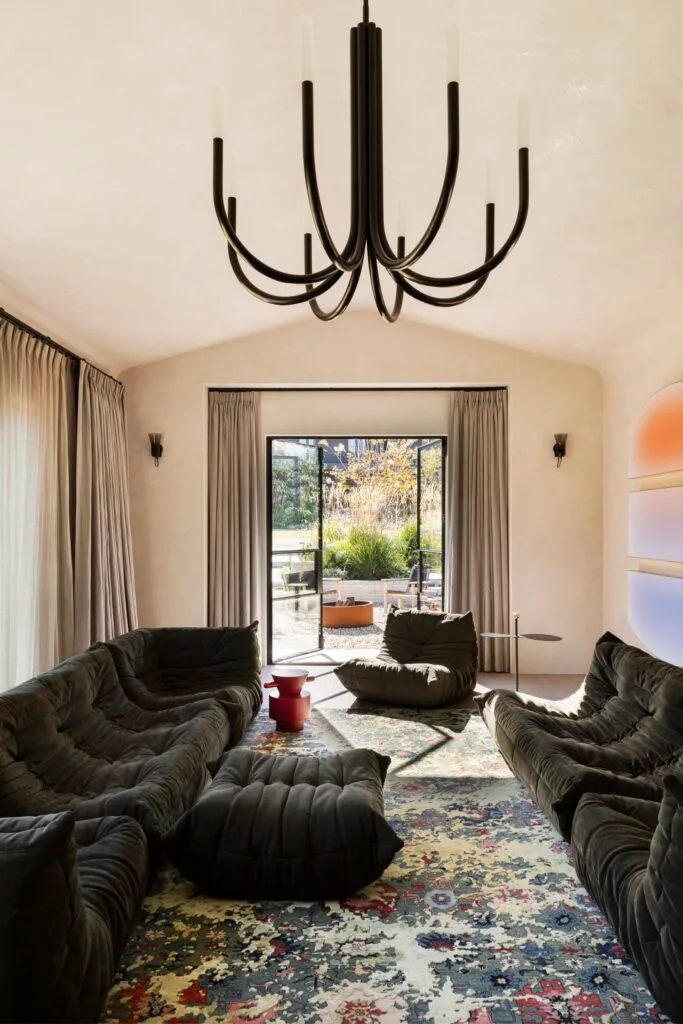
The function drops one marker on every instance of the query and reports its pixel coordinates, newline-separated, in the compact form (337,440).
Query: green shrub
(334,549)
(334,559)
(406,542)
(368,554)
(333,532)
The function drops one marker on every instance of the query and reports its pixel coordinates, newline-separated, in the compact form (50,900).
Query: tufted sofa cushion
(171,667)
(68,901)
(70,739)
(288,828)
(620,734)
(427,659)
(628,853)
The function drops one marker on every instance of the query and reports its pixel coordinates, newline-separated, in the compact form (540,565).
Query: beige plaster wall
(555,515)
(657,363)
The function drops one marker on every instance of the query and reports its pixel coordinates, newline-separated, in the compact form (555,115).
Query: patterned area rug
(479,920)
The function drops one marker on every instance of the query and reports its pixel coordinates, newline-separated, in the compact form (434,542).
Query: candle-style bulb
(307,50)
(452,48)
(400,217)
(218,111)
(523,123)
(489,183)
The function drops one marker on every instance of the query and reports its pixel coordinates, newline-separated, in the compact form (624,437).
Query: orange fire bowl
(344,616)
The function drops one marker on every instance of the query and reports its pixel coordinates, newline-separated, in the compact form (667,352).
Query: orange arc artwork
(658,437)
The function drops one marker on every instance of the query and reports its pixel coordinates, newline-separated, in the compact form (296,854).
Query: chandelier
(367,232)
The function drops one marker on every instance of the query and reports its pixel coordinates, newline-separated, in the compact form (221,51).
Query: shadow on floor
(454,719)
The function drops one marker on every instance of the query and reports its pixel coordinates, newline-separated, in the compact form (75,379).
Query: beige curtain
(104,582)
(235,518)
(477,550)
(37,385)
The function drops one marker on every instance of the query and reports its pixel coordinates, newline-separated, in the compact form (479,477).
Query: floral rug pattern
(479,920)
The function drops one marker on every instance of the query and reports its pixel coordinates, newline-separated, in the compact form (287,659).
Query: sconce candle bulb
(156,447)
(560,448)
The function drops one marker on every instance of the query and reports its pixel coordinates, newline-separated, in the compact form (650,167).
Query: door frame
(420,550)
(269,519)
(317,552)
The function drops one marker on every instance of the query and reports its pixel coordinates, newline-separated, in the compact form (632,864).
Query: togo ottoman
(287,828)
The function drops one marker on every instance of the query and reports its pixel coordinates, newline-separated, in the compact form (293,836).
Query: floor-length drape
(104,581)
(477,549)
(37,386)
(235,518)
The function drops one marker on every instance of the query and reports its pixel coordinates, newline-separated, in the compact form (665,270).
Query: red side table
(291,707)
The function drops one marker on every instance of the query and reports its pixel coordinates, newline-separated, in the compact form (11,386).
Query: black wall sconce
(156,447)
(560,448)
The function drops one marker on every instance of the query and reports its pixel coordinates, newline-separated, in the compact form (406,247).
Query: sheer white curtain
(104,581)
(235,515)
(36,570)
(477,550)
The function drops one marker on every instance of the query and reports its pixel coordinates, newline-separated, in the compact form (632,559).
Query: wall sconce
(560,448)
(156,447)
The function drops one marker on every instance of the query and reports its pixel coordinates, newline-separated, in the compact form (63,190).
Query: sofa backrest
(436,638)
(620,672)
(46,723)
(135,654)
(145,653)
(43,923)
(58,699)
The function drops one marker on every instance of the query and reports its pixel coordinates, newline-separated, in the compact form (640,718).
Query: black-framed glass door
(431,523)
(295,511)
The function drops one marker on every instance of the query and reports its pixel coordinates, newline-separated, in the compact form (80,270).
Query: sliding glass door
(295,481)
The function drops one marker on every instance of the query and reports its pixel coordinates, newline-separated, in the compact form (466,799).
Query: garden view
(369,506)
(369,528)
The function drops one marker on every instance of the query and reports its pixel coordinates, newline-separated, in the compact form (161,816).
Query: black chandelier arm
(376,218)
(496,258)
(228,220)
(312,292)
(279,300)
(353,253)
(393,315)
(349,291)
(447,302)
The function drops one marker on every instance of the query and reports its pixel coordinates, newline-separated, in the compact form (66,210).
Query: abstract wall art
(656,525)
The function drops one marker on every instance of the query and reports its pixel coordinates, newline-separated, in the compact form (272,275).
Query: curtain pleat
(477,549)
(104,578)
(36,567)
(234,509)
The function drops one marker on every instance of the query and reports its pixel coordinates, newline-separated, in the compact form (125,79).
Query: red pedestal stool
(291,707)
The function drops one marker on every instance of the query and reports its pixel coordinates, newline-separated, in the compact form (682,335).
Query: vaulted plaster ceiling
(106,219)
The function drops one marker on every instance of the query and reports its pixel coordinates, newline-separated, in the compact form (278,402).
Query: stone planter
(345,616)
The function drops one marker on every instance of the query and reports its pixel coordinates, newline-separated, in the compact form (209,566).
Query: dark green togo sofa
(90,780)
(69,895)
(427,660)
(606,766)
(175,666)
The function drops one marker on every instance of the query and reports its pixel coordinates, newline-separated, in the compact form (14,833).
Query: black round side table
(516,636)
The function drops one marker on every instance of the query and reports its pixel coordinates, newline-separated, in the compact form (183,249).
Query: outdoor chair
(400,592)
